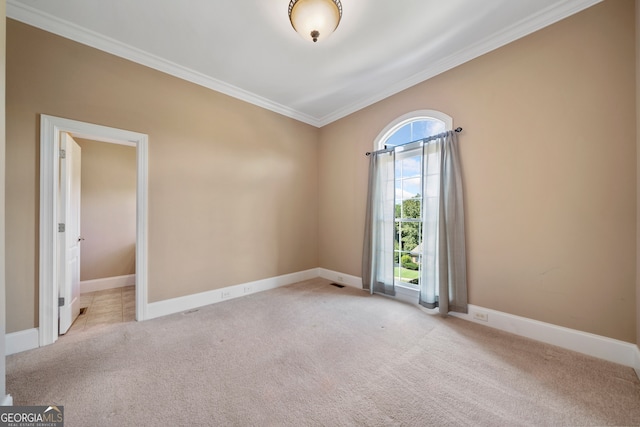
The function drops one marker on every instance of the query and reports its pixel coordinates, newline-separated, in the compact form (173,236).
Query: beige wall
(108,214)
(549,162)
(233,188)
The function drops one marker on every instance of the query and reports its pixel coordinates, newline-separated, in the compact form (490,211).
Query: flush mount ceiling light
(313,19)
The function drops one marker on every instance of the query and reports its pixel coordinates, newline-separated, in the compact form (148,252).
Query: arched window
(413,126)
(409,184)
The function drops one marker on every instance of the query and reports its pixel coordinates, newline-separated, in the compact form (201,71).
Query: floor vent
(337,285)
(83,310)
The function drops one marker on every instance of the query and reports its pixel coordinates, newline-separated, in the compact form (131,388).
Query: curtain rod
(368,153)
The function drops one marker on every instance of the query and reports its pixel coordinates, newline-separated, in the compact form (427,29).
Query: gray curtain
(443,281)
(377,258)
(443,271)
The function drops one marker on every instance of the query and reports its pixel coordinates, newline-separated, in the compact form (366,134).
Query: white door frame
(50,129)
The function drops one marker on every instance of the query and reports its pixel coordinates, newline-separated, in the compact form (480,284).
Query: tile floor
(108,306)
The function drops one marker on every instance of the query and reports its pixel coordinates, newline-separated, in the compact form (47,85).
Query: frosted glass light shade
(315,19)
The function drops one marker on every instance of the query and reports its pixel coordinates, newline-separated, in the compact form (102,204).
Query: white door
(69,240)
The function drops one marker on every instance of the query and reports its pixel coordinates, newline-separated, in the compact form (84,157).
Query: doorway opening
(107,236)
(52,130)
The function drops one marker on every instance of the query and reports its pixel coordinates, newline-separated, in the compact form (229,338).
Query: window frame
(379,144)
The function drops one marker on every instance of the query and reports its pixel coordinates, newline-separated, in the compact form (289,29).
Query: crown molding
(44,21)
(510,34)
(52,24)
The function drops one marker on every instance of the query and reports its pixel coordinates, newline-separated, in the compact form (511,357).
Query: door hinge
(61,227)
(63,154)
(60,301)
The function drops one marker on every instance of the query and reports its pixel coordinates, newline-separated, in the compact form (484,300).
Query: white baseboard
(610,349)
(617,351)
(408,295)
(107,283)
(17,342)
(28,339)
(341,278)
(189,302)
(7,401)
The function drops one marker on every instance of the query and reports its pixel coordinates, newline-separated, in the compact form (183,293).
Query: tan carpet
(314,354)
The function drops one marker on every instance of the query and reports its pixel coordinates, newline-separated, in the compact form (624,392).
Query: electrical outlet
(247,289)
(226,294)
(479,315)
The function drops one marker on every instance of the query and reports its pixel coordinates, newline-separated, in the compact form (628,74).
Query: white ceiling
(248,49)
